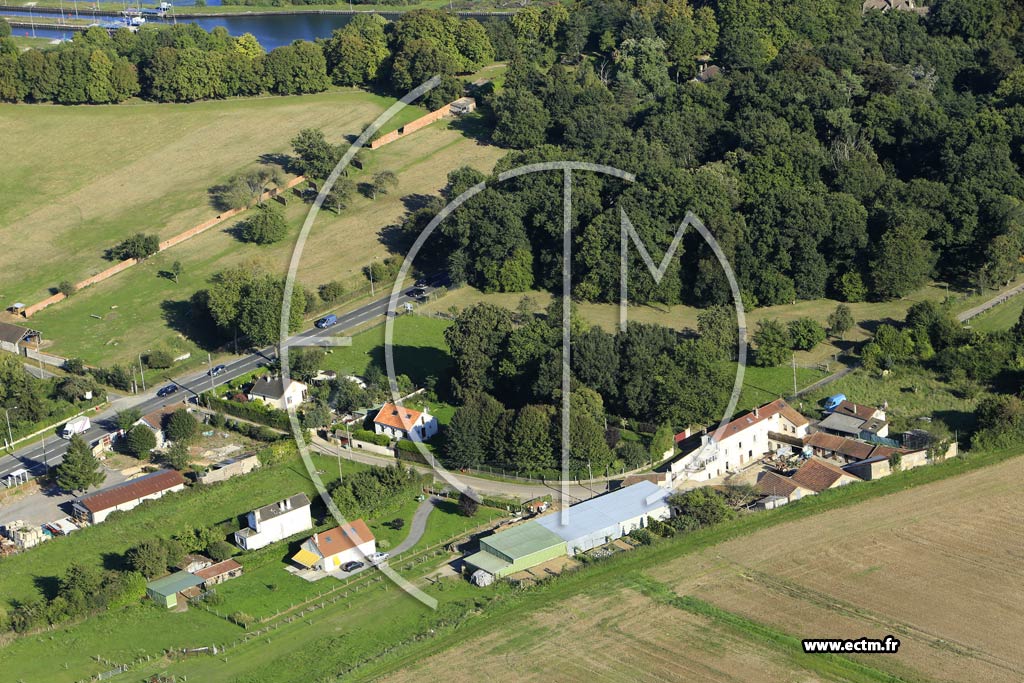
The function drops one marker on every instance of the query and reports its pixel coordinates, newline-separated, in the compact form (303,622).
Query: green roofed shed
(516,549)
(165,591)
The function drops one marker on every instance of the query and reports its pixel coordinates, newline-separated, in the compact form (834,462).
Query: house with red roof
(330,550)
(746,439)
(95,507)
(818,475)
(401,422)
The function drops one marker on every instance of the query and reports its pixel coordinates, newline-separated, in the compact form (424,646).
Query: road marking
(322,341)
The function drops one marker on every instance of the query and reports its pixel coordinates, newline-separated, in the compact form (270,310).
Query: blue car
(216,370)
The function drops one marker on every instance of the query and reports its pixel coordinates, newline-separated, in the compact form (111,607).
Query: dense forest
(830,153)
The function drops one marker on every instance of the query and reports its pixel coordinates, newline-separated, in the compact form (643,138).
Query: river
(271,30)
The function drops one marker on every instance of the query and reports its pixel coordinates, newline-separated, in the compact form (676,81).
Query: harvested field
(937,566)
(627,636)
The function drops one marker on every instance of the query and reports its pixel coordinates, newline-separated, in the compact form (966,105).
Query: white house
(95,507)
(400,422)
(747,438)
(329,550)
(278,392)
(274,522)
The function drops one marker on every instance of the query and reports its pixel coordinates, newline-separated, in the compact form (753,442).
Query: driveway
(574,492)
(37,506)
(418,526)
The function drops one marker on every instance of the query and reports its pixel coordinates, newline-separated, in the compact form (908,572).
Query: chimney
(757,412)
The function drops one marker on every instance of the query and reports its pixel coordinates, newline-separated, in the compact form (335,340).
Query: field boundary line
(166,244)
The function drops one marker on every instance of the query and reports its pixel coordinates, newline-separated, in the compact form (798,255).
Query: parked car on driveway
(352,566)
(378,558)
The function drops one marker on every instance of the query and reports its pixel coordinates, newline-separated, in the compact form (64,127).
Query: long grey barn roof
(605,511)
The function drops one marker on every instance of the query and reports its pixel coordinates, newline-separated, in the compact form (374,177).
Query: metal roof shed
(603,519)
(165,591)
(515,549)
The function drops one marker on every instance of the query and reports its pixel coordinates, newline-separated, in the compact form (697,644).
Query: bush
(253,411)
(140,441)
(67,287)
(180,426)
(117,376)
(76,366)
(331,291)
(159,360)
(242,619)
(266,226)
(643,536)
(805,333)
(220,550)
(138,246)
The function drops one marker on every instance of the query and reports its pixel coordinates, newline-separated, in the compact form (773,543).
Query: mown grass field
(418,345)
(141,167)
(142,309)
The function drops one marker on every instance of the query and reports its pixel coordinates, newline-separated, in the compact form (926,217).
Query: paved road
(417,527)
(38,372)
(994,301)
(576,492)
(51,452)
(810,388)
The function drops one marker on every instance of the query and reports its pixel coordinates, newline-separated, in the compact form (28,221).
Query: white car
(378,558)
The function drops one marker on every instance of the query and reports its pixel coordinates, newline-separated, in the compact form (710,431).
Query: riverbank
(213,11)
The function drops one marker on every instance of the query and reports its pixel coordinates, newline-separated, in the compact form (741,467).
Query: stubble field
(938,567)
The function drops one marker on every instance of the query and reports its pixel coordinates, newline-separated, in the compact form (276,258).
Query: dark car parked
(352,566)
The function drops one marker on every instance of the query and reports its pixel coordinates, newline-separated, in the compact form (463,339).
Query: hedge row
(254,412)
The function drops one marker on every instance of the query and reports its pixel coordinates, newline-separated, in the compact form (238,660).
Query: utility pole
(372,293)
(794,375)
(142,372)
(209,363)
(10,434)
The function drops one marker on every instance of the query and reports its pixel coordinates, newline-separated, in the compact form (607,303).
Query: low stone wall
(166,244)
(358,445)
(411,127)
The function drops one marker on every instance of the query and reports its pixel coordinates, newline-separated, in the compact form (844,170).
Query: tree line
(833,153)
(184,63)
